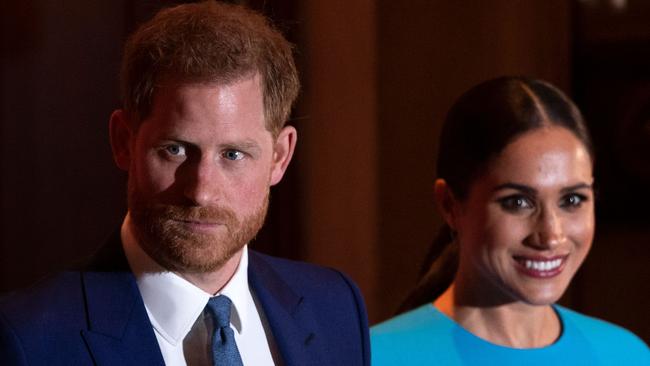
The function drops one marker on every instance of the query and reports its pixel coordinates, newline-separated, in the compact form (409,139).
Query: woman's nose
(549,230)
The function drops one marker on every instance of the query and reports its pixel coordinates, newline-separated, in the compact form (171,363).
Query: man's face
(200,167)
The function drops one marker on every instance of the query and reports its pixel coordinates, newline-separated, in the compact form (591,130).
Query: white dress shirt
(176,311)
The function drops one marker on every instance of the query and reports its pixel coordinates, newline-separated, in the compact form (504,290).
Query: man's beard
(162,232)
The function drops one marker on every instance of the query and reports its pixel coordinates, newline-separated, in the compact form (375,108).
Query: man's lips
(541,267)
(196,222)
(200,225)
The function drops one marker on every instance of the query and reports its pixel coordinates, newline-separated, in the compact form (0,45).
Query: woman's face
(527,224)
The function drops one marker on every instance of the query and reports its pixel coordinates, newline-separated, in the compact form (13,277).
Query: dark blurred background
(378,77)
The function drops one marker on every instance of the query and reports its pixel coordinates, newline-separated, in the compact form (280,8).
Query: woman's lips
(540,267)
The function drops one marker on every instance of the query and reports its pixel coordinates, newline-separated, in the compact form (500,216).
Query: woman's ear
(446,202)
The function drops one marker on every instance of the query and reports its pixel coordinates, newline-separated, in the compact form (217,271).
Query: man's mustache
(209,214)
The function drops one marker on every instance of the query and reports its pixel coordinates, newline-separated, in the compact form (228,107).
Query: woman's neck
(512,324)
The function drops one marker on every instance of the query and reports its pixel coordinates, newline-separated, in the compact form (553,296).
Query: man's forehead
(214,79)
(205,108)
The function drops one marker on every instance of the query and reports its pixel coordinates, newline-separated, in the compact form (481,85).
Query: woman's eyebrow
(576,187)
(516,186)
(532,191)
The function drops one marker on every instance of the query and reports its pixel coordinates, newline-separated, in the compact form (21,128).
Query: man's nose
(202,182)
(549,231)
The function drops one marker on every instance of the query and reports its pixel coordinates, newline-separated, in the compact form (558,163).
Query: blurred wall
(60,194)
(611,81)
(380,77)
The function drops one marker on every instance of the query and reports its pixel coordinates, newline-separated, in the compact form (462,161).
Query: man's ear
(283,149)
(446,202)
(121,135)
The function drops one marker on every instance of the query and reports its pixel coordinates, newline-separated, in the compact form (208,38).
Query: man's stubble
(160,232)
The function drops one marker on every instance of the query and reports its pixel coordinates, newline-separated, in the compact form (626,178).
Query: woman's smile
(528,221)
(540,267)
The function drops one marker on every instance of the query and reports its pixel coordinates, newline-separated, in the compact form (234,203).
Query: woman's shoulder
(425,318)
(406,338)
(591,325)
(604,336)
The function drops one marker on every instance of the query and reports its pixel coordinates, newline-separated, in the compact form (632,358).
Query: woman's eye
(233,154)
(516,203)
(175,150)
(573,200)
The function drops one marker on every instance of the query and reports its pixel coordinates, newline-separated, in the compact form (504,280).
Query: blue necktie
(224,348)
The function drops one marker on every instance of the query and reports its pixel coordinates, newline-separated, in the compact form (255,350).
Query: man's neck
(212,282)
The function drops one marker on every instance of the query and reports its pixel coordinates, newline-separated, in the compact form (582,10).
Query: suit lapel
(290,320)
(119,331)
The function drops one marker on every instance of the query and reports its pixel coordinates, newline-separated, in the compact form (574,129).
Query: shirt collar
(172,302)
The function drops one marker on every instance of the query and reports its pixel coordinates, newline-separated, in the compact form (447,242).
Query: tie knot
(219,307)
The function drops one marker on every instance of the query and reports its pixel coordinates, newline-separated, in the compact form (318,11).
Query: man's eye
(516,203)
(573,200)
(175,150)
(233,154)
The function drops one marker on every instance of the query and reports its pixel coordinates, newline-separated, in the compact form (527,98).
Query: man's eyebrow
(244,145)
(516,186)
(239,145)
(175,140)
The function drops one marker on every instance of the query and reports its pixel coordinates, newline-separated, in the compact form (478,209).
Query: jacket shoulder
(56,300)
(38,322)
(334,301)
(307,277)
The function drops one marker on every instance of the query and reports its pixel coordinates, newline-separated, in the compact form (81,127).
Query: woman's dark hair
(482,122)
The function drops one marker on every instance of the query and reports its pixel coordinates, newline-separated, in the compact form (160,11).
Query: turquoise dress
(425,336)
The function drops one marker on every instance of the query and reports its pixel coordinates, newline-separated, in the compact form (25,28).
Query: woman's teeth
(543,265)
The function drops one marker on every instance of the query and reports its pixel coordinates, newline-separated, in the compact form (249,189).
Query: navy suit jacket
(97,317)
